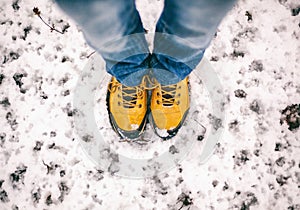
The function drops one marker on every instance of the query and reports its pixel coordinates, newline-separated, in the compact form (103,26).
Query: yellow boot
(169,107)
(127,109)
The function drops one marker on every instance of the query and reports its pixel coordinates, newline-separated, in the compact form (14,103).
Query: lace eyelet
(157,101)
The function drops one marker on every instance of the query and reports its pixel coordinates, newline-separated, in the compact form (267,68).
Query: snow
(162,132)
(255,164)
(134,126)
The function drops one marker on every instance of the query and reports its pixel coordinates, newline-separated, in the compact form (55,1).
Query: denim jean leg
(183,32)
(114,29)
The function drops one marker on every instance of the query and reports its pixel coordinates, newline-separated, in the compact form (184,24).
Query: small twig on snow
(38,13)
(92,53)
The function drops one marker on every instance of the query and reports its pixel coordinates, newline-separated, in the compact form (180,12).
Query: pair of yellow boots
(129,108)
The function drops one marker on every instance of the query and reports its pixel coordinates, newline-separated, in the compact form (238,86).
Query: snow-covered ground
(256,164)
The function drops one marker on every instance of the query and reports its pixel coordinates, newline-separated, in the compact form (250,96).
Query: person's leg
(183,32)
(114,29)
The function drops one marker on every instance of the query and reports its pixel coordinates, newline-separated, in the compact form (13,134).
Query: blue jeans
(114,29)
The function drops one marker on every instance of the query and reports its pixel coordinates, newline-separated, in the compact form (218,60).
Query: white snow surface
(256,164)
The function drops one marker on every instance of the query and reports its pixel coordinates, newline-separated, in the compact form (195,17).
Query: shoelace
(168,94)
(129,94)
(168,91)
(149,83)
